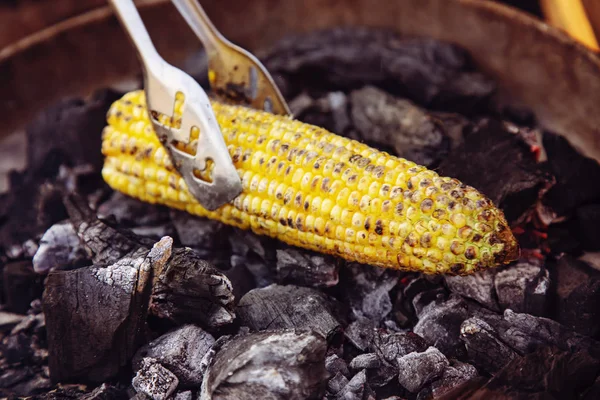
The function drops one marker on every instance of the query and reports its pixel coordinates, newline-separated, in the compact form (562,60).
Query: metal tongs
(209,173)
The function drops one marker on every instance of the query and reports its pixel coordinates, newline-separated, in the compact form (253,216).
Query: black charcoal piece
(354,389)
(335,364)
(337,383)
(367,293)
(512,180)
(439,324)
(523,287)
(306,268)
(105,392)
(484,348)
(200,233)
(154,380)
(418,369)
(578,296)
(426,297)
(526,332)
(478,286)
(398,124)
(95,315)
(587,229)
(21,285)
(60,249)
(360,333)
(574,175)
(248,250)
(34,385)
(431,72)
(286,365)
(130,212)
(185,351)
(281,307)
(191,290)
(12,376)
(389,347)
(365,361)
(456,374)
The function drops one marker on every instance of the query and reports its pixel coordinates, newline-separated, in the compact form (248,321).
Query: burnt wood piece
(418,369)
(154,380)
(96,316)
(60,249)
(21,285)
(286,307)
(501,165)
(433,73)
(278,365)
(307,268)
(478,286)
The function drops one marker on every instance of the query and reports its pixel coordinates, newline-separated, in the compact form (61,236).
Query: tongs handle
(202,26)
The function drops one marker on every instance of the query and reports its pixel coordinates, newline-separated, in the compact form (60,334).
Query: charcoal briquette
(154,380)
(365,361)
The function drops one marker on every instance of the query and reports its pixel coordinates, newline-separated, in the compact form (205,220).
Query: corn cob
(313,189)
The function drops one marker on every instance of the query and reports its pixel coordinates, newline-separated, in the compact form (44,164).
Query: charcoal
(328,112)
(455,126)
(478,286)
(334,364)
(306,268)
(523,287)
(9,320)
(390,347)
(365,361)
(360,333)
(453,376)
(281,307)
(420,291)
(241,279)
(354,389)
(578,296)
(33,385)
(417,369)
(248,249)
(105,392)
(368,291)
(392,123)
(439,324)
(60,249)
(337,383)
(593,392)
(154,380)
(588,226)
(199,233)
(185,351)
(526,332)
(484,348)
(512,179)
(573,173)
(187,395)
(130,212)
(191,290)
(21,285)
(275,365)
(95,316)
(11,377)
(433,73)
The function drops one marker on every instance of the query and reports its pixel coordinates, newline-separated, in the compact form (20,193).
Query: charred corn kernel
(313,189)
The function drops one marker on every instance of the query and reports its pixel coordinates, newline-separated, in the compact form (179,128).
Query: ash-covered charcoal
(511,177)
(185,351)
(365,361)
(367,291)
(95,315)
(388,122)
(354,389)
(525,332)
(478,286)
(60,249)
(360,333)
(21,285)
(286,365)
(248,250)
(129,212)
(334,365)
(191,290)
(337,383)
(105,392)
(433,73)
(484,347)
(418,369)
(577,296)
(154,380)
(282,307)
(454,375)
(329,112)
(306,268)
(574,175)
(202,234)
(439,324)
(187,395)
(389,347)
(523,287)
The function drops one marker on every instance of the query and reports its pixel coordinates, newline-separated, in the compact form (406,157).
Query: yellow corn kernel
(313,189)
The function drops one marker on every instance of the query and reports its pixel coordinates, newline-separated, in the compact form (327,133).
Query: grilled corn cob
(313,189)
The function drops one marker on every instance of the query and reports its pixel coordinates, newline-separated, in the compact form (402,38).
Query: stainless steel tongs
(165,85)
